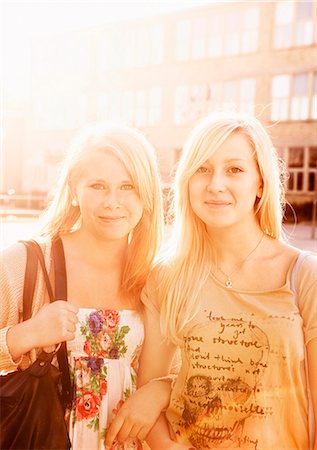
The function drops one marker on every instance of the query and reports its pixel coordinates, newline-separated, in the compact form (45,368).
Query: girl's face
(109,204)
(223,190)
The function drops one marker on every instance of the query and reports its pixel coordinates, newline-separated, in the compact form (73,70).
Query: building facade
(163,73)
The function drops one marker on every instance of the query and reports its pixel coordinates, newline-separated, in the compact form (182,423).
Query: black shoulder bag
(32,403)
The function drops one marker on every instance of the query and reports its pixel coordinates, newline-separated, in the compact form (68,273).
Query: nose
(111,200)
(216,183)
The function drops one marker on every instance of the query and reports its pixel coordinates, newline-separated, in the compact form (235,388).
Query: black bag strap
(35,255)
(61,294)
(34,252)
(29,280)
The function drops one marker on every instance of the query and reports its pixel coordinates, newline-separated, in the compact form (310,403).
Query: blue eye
(127,187)
(98,186)
(202,169)
(235,170)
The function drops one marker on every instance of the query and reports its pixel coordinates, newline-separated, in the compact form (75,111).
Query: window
(215,38)
(141,108)
(312,169)
(284,16)
(280,97)
(250,30)
(154,106)
(302,163)
(294,97)
(137,47)
(294,23)
(314,98)
(304,26)
(183,40)
(199,38)
(299,103)
(61,112)
(218,34)
(192,102)
(232,33)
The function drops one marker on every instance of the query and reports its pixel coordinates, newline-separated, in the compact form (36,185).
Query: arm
(139,413)
(312,376)
(50,324)
(54,323)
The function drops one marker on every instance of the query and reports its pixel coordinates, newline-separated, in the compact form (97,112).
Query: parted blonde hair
(138,156)
(187,262)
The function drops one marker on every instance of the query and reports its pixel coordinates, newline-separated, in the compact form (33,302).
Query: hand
(54,323)
(178,446)
(139,412)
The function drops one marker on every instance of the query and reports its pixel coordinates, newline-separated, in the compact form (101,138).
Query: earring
(75,202)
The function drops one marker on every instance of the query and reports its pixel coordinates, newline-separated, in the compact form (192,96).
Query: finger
(135,431)
(71,307)
(113,431)
(71,327)
(72,318)
(143,432)
(69,336)
(124,432)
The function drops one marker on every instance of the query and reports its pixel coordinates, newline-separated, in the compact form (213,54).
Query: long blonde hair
(187,262)
(138,156)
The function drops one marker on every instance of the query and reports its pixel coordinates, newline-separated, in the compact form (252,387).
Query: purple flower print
(114,352)
(95,364)
(95,323)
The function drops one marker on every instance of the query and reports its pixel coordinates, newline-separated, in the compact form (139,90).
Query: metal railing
(22,204)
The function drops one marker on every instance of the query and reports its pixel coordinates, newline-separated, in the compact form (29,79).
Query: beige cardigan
(12,268)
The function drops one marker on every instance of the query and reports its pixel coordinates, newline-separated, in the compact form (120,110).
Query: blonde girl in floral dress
(107,212)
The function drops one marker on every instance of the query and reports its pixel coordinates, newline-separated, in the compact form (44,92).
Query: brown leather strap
(35,251)
(29,280)
(35,255)
(61,294)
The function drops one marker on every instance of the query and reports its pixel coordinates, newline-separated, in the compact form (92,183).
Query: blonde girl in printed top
(223,294)
(107,211)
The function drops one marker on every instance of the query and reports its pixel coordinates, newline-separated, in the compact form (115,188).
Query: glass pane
(283,36)
(300,84)
(312,159)
(247,88)
(251,18)
(230,91)
(311,181)
(291,181)
(284,12)
(280,86)
(304,33)
(299,181)
(315,83)
(296,157)
(304,9)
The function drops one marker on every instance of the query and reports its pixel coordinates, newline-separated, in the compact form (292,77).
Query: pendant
(229,283)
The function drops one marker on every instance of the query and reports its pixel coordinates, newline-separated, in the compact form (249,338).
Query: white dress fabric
(103,360)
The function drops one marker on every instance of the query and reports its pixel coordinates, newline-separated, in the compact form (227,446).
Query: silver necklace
(228,282)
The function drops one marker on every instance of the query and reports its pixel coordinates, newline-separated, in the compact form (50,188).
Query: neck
(232,245)
(99,252)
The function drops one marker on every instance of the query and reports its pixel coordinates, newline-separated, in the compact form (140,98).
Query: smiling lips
(217,203)
(111,219)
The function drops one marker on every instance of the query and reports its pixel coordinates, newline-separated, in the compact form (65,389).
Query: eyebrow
(102,180)
(233,160)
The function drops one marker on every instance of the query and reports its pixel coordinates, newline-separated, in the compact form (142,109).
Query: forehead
(236,146)
(103,164)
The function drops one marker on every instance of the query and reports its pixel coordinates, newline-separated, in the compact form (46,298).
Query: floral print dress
(103,360)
